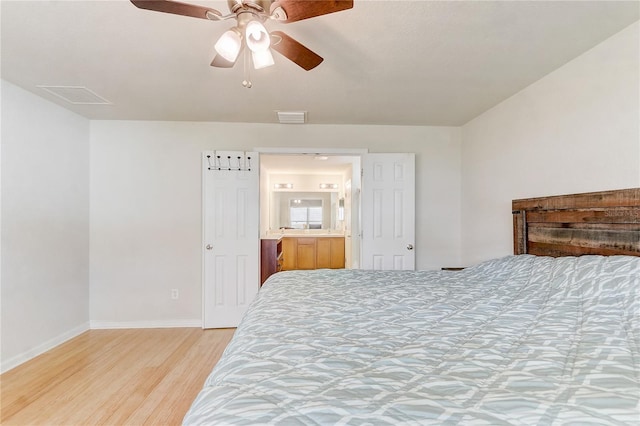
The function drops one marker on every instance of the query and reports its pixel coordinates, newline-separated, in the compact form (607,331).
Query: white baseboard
(100,325)
(13,362)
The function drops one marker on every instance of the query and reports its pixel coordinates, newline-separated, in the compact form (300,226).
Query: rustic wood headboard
(605,223)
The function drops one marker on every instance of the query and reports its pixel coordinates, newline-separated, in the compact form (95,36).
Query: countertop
(303,235)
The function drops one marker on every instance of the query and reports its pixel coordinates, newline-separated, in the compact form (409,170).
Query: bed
(534,338)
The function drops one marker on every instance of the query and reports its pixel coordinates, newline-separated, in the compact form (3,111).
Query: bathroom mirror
(303,210)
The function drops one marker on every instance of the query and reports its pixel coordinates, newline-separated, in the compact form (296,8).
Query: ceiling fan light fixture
(250,16)
(229,44)
(257,37)
(262,59)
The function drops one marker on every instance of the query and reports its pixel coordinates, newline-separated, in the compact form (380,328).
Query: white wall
(576,130)
(146,205)
(45,225)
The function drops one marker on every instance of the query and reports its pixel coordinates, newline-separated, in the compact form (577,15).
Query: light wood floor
(113,377)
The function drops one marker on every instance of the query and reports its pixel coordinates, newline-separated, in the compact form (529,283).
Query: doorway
(312,194)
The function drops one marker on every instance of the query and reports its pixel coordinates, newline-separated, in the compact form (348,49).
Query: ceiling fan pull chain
(245,64)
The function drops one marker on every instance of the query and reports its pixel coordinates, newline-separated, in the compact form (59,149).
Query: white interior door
(230,236)
(388,211)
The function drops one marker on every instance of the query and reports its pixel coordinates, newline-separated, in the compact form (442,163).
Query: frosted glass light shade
(262,59)
(258,39)
(228,45)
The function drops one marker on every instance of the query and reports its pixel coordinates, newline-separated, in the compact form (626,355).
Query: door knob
(209,247)
(409,246)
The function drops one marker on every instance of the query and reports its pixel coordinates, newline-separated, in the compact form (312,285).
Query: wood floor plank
(114,377)
(161,404)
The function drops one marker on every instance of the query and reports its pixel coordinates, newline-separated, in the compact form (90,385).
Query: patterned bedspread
(518,340)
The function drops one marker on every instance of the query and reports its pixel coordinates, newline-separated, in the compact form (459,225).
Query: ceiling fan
(249,30)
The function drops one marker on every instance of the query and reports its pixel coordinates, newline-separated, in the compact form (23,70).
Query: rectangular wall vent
(292,117)
(76,95)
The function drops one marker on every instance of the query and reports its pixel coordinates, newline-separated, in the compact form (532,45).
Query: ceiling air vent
(76,95)
(292,117)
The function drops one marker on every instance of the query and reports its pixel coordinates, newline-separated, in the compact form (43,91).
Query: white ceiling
(393,62)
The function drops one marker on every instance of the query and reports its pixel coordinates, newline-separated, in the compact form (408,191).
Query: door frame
(356,175)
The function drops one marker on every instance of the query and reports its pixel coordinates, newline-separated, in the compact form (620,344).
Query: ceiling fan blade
(297,10)
(295,51)
(177,8)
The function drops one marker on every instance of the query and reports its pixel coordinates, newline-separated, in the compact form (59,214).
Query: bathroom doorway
(312,195)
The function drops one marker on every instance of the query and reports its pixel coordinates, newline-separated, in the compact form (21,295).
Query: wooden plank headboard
(605,223)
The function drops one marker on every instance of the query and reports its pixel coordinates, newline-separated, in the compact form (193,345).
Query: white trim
(356,237)
(42,348)
(203,192)
(334,151)
(186,323)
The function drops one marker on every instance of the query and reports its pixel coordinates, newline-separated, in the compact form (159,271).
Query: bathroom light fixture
(283,186)
(328,186)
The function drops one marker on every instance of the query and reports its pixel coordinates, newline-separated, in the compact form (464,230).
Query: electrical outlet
(175,294)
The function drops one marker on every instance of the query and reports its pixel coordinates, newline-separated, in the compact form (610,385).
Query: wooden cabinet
(323,253)
(313,252)
(289,250)
(306,253)
(271,258)
(330,252)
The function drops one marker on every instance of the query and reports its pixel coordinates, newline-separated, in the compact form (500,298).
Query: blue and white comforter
(519,340)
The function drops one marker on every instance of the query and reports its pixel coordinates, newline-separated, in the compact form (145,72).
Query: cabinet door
(267,260)
(289,254)
(337,253)
(323,253)
(306,253)
(270,258)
